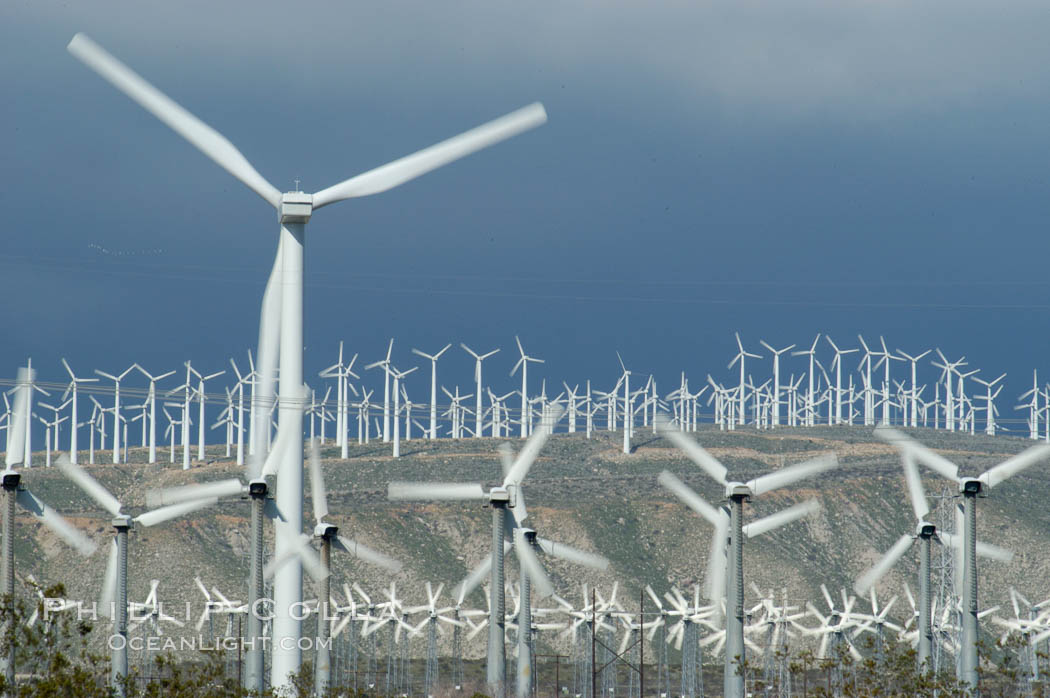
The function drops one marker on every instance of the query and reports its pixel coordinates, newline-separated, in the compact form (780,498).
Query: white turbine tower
(776,379)
(385,364)
(990,410)
(836,364)
(523,362)
(913,410)
(432,435)
(628,414)
(478,358)
(71,389)
(281,318)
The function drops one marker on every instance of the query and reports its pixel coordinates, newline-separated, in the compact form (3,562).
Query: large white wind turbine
(523,362)
(969,488)
(836,364)
(385,364)
(152,399)
(990,411)
(71,390)
(741,356)
(478,412)
(281,318)
(433,387)
(737,493)
(913,410)
(810,396)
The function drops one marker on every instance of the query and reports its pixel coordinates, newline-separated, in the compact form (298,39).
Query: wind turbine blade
(567,552)
(53,520)
(936,462)
(690,498)
(435,490)
(1016,464)
(187,493)
(530,564)
(692,449)
(204,137)
(409,167)
(109,582)
(780,518)
(317,490)
(716,560)
(992,552)
(152,518)
(367,554)
(527,455)
(477,575)
(915,490)
(794,473)
(19,416)
(506,457)
(269,350)
(90,486)
(867,580)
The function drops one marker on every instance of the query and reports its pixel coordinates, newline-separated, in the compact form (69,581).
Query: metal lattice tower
(946,595)
(430,677)
(692,662)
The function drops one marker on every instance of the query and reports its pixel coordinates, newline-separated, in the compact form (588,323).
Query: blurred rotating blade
(567,552)
(53,520)
(435,490)
(1016,464)
(915,491)
(19,417)
(152,518)
(317,489)
(715,581)
(530,564)
(867,580)
(529,452)
(109,582)
(780,518)
(791,474)
(367,554)
(690,498)
(692,450)
(90,486)
(186,493)
(902,441)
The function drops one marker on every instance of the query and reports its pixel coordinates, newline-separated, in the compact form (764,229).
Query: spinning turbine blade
(90,486)
(53,520)
(692,449)
(527,455)
(992,552)
(152,518)
(786,476)
(867,580)
(19,415)
(690,498)
(317,491)
(1016,464)
(269,345)
(915,490)
(411,166)
(530,564)
(435,490)
(780,518)
(567,552)
(187,493)
(204,137)
(934,461)
(716,559)
(365,553)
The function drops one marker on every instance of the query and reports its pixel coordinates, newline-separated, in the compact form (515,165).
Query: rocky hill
(583,492)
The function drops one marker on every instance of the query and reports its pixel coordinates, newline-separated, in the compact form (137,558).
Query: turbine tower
(281,318)
(433,387)
(741,355)
(776,379)
(72,389)
(523,362)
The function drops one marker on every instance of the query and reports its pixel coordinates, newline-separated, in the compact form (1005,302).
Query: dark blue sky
(829,167)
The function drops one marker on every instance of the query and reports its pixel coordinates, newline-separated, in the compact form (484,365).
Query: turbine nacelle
(11,479)
(257,488)
(121,521)
(925,529)
(969,485)
(325,530)
(499,495)
(296,207)
(738,490)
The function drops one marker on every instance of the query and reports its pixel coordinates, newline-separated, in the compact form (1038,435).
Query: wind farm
(714,379)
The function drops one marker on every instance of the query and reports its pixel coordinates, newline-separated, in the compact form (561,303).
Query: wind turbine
(741,356)
(433,388)
(503,499)
(523,362)
(116,407)
(836,364)
(628,414)
(72,388)
(152,398)
(969,488)
(281,317)
(925,532)
(201,399)
(115,584)
(398,376)
(990,410)
(385,365)
(737,493)
(14,492)
(913,411)
(810,416)
(478,358)
(776,379)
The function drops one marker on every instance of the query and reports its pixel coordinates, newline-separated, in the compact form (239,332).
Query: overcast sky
(777,169)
